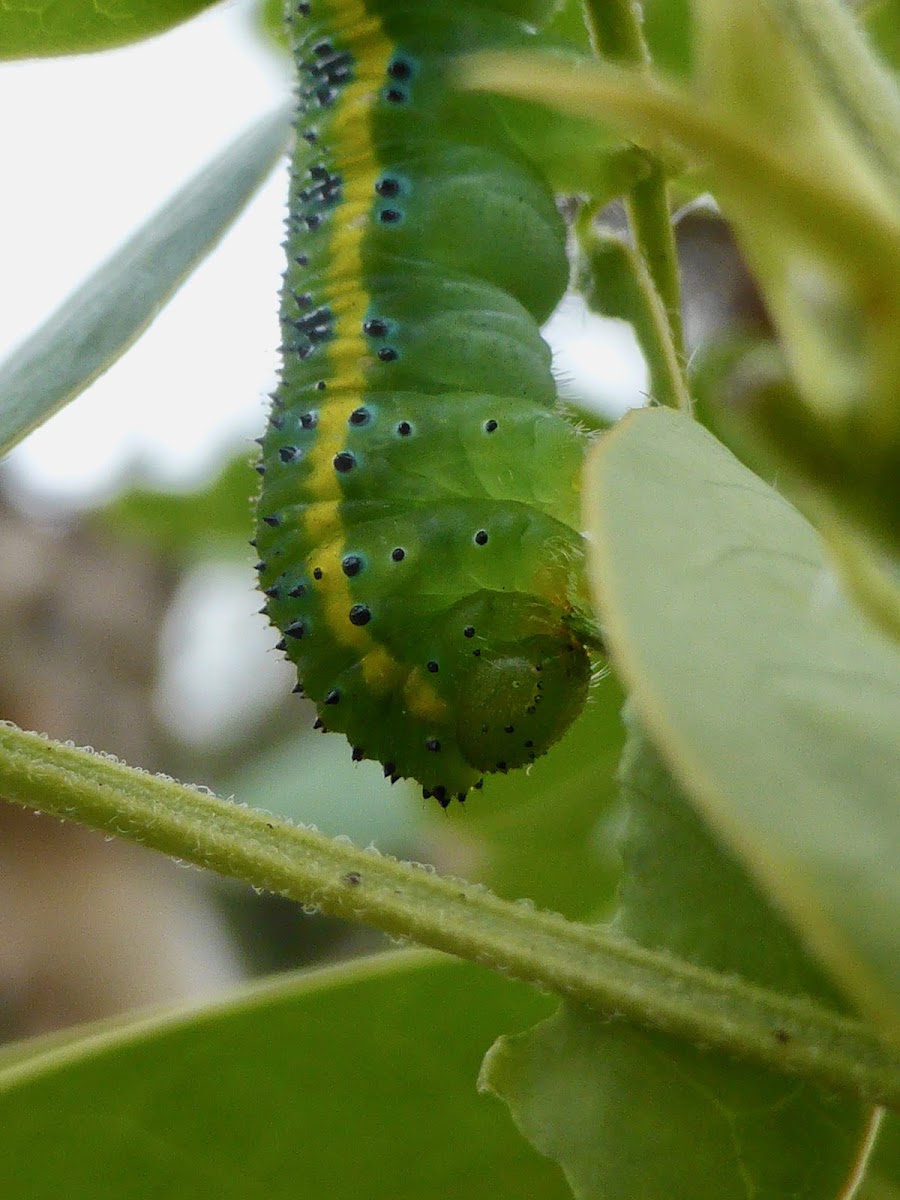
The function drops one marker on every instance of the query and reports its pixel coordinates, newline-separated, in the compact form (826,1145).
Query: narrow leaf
(99,321)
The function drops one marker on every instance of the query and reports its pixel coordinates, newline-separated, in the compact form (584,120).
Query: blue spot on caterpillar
(418,517)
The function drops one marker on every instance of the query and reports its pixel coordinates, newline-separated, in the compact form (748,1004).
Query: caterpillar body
(417,549)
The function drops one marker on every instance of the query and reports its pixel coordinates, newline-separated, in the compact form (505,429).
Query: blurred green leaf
(822,212)
(882,1181)
(542,835)
(821,227)
(628,1113)
(668,31)
(41,27)
(860,91)
(774,703)
(567,25)
(99,321)
(355,1081)
(798,75)
(572,153)
(881,20)
(313,780)
(215,521)
(823,460)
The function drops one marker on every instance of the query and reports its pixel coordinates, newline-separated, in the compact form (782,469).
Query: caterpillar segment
(418,515)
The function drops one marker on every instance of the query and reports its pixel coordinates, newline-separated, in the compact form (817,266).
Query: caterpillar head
(520,699)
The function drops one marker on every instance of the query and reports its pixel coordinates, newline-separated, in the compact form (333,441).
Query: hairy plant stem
(616,33)
(587,964)
(651,326)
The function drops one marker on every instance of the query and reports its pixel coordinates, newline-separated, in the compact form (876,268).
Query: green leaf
(99,321)
(774,703)
(313,780)
(41,27)
(861,91)
(211,521)
(668,31)
(572,153)
(354,1081)
(628,1113)
(881,19)
(840,477)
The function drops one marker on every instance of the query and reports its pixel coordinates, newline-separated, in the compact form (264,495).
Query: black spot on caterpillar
(418,517)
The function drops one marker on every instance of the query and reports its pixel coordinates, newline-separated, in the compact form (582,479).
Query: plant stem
(617,35)
(647,205)
(587,964)
(600,282)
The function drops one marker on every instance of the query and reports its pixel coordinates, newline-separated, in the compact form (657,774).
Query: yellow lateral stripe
(350,136)
(322,521)
(422,700)
(350,133)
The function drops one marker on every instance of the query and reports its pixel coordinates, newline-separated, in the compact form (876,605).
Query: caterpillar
(418,552)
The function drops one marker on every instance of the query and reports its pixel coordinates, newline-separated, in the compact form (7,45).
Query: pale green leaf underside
(774,703)
(98,322)
(628,1113)
(356,1081)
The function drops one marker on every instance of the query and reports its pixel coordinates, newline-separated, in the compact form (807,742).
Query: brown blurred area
(90,927)
(719,296)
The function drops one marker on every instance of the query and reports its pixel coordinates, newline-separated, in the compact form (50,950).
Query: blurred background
(127,592)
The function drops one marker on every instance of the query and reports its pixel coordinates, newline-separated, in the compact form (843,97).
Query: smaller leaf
(28,29)
(628,1113)
(99,321)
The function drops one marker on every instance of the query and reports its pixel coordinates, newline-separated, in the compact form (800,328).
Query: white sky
(91,146)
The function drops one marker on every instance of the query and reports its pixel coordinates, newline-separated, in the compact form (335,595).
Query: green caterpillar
(417,549)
